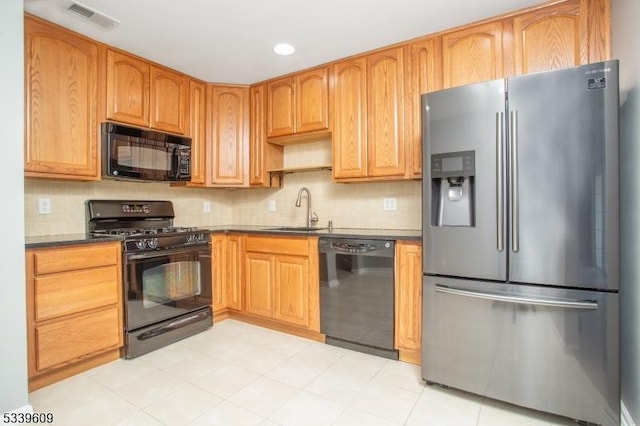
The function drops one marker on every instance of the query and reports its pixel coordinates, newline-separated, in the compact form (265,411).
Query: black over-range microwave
(143,154)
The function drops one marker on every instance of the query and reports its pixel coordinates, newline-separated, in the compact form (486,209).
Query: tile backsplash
(347,205)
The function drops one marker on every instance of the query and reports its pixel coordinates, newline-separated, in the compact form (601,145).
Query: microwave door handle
(175,166)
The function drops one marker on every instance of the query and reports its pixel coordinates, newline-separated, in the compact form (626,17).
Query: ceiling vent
(98,18)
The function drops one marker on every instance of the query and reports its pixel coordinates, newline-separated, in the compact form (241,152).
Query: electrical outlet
(206,207)
(272,205)
(44,205)
(389,204)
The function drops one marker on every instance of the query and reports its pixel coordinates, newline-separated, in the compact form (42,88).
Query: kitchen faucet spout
(311,218)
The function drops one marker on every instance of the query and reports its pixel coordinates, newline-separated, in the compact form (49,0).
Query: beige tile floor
(240,374)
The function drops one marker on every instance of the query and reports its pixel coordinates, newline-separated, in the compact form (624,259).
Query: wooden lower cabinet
(74,309)
(291,289)
(408,300)
(281,280)
(227,273)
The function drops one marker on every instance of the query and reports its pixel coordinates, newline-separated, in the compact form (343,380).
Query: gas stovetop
(136,232)
(143,225)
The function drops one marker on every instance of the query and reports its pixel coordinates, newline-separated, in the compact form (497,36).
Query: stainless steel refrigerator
(520,229)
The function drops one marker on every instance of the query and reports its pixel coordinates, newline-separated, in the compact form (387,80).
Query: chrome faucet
(310,217)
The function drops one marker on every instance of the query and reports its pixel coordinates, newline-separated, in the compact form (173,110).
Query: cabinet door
(61,104)
(312,101)
(292,289)
(263,156)
(281,107)
(127,89)
(219,272)
(169,101)
(408,296)
(257,136)
(197,119)
(349,118)
(551,38)
(472,55)
(423,61)
(233,255)
(259,284)
(229,144)
(385,113)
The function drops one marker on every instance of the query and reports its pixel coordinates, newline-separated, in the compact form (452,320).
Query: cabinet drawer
(74,338)
(76,291)
(78,257)
(276,245)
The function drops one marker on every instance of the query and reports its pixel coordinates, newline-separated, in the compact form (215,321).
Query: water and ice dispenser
(453,189)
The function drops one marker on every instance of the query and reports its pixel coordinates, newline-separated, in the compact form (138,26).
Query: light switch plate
(206,207)
(44,205)
(389,204)
(272,206)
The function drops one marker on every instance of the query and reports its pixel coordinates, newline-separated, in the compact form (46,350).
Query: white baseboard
(625,416)
(26,409)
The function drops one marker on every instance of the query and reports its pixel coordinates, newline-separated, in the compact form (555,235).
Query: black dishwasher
(357,294)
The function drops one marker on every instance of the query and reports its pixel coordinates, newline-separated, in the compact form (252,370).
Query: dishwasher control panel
(383,248)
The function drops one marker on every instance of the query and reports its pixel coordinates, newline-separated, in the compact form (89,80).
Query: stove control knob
(200,237)
(153,243)
(191,239)
(141,244)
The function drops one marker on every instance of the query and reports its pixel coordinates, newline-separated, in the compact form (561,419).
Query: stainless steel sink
(297,228)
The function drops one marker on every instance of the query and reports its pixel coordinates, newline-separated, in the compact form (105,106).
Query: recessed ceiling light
(284,49)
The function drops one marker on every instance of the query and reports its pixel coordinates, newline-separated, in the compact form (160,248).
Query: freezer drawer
(554,350)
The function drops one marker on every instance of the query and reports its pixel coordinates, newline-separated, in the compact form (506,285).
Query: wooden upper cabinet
(423,61)
(197,130)
(280,107)
(560,36)
(385,113)
(127,89)
(298,104)
(146,95)
(62,91)
(349,118)
(368,116)
(312,100)
(228,145)
(262,154)
(472,54)
(169,102)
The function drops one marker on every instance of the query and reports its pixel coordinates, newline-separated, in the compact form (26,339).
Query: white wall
(13,356)
(626,48)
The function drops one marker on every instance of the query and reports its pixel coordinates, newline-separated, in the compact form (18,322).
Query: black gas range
(143,225)
(166,271)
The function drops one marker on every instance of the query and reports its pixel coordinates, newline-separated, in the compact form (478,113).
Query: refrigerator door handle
(513,175)
(500,179)
(557,303)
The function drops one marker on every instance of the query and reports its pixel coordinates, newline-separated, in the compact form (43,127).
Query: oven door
(166,284)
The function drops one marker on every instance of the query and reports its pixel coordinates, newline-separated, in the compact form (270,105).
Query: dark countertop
(379,234)
(67,240)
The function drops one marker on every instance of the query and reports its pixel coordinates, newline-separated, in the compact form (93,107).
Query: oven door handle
(201,249)
(174,325)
